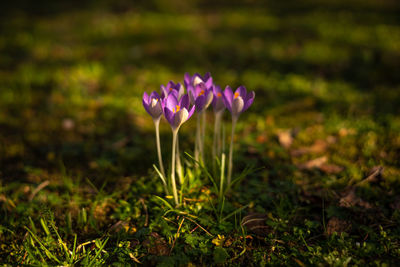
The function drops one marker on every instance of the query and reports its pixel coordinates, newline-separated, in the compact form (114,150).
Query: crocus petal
(197,80)
(209,82)
(146,97)
(187,79)
(242,91)
(146,106)
(228,97)
(169,115)
(209,98)
(184,102)
(200,103)
(191,111)
(237,106)
(191,93)
(181,90)
(201,87)
(154,94)
(248,100)
(171,101)
(180,117)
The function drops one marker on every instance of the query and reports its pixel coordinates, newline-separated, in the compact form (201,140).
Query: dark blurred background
(72,74)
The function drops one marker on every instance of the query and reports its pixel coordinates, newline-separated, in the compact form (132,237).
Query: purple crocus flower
(218,100)
(153,104)
(171,87)
(192,81)
(177,112)
(200,96)
(239,101)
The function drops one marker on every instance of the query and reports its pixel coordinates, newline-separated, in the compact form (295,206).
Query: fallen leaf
(337,225)
(156,245)
(350,199)
(331,168)
(314,163)
(321,164)
(285,138)
(256,224)
(319,146)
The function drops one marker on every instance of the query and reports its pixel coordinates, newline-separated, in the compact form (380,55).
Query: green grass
(77,148)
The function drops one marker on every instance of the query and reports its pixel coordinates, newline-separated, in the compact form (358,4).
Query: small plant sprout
(236,103)
(154,106)
(201,96)
(176,112)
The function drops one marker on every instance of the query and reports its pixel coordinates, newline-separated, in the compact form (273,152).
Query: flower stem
(222,177)
(216,148)
(197,142)
(178,161)
(203,133)
(160,161)
(234,120)
(173,182)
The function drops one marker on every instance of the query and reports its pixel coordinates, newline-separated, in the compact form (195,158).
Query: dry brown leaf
(314,163)
(331,168)
(350,199)
(156,245)
(285,138)
(321,164)
(319,146)
(337,225)
(255,223)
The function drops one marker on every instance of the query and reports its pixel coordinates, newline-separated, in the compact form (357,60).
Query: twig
(40,187)
(199,226)
(134,258)
(177,234)
(194,229)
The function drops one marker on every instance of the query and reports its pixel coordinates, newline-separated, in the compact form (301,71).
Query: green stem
(203,133)
(178,161)
(221,185)
(173,182)
(216,149)
(160,161)
(234,120)
(197,142)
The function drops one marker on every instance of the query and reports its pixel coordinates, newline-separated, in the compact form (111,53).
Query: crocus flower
(177,112)
(239,101)
(192,81)
(171,87)
(200,96)
(153,104)
(236,103)
(218,100)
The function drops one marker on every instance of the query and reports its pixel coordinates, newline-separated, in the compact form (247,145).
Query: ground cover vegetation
(315,168)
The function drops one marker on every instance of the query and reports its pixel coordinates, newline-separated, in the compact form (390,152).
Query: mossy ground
(77,148)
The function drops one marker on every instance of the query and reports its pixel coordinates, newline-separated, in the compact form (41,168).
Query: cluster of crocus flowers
(177,107)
